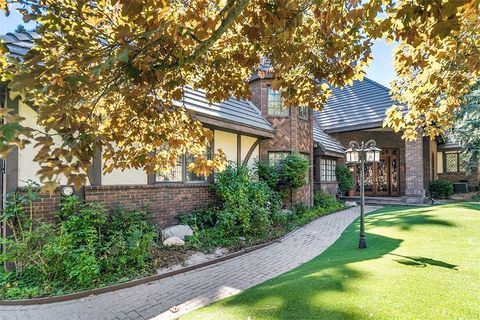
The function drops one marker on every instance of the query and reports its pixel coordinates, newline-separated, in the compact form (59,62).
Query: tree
(105,73)
(20,28)
(467,128)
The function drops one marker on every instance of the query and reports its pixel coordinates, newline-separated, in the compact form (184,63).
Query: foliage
(344,178)
(326,201)
(467,128)
(268,173)
(246,203)
(87,247)
(293,172)
(442,189)
(105,74)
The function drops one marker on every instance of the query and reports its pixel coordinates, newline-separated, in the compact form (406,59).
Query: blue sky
(380,69)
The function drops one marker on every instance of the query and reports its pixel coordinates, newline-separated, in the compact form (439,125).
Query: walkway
(197,288)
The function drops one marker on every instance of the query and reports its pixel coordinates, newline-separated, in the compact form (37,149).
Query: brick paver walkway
(197,288)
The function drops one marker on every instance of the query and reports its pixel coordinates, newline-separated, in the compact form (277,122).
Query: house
(258,129)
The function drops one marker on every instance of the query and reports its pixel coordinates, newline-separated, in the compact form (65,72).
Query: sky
(380,69)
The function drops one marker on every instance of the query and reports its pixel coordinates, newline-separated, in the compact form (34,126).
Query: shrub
(293,172)
(344,178)
(326,201)
(267,173)
(86,248)
(247,205)
(441,189)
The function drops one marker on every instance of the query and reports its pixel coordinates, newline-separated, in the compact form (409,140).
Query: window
(275,104)
(303,113)
(452,162)
(275,157)
(327,169)
(180,172)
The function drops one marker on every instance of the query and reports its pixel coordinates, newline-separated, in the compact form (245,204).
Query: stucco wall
(247,143)
(228,143)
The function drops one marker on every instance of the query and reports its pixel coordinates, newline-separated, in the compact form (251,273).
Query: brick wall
(472,178)
(414,185)
(292,134)
(163,201)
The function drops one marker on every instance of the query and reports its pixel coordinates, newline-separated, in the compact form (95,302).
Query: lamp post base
(362,244)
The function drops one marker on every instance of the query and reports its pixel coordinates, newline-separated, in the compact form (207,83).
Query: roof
(18,43)
(239,113)
(360,106)
(232,110)
(326,142)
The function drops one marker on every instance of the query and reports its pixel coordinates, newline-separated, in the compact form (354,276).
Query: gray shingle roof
(19,43)
(326,142)
(360,106)
(234,111)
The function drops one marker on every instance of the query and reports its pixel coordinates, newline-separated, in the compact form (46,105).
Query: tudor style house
(258,129)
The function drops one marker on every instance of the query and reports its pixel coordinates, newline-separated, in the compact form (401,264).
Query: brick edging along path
(199,287)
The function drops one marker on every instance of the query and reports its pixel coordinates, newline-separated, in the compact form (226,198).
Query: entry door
(382,178)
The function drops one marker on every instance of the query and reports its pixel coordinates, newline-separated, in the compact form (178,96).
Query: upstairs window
(276,107)
(303,113)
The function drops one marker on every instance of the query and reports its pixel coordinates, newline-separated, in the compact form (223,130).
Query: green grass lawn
(421,263)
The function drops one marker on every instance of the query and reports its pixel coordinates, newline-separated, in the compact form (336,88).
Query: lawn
(421,263)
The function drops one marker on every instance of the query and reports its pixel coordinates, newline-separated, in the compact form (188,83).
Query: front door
(382,178)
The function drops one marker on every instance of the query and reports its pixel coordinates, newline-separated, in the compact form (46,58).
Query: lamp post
(361,153)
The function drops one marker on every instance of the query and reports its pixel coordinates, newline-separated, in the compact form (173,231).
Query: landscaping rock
(350,203)
(173,241)
(179,230)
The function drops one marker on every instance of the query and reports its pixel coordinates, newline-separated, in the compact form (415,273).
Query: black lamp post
(361,153)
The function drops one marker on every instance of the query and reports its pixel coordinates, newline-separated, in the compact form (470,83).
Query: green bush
(442,189)
(344,178)
(87,247)
(326,201)
(247,204)
(293,172)
(267,173)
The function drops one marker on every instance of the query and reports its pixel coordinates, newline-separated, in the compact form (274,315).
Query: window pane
(327,170)
(190,176)
(275,104)
(451,160)
(275,157)
(303,112)
(173,176)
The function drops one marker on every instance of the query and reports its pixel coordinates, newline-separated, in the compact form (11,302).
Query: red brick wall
(473,178)
(163,201)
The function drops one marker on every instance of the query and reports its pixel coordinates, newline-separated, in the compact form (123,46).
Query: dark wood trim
(250,151)
(95,169)
(11,163)
(239,148)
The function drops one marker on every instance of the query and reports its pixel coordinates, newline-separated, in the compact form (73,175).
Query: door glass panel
(394,176)
(369,177)
(382,176)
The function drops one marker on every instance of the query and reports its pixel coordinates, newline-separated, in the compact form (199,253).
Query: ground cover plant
(420,263)
(85,247)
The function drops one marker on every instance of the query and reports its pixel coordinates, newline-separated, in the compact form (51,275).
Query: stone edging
(136,282)
(132,283)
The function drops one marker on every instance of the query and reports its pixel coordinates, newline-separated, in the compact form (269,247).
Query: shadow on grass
(422,262)
(405,218)
(299,294)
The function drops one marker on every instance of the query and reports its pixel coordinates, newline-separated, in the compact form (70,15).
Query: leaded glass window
(303,113)
(276,107)
(451,162)
(327,169)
